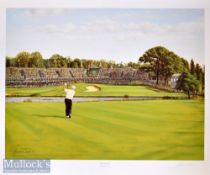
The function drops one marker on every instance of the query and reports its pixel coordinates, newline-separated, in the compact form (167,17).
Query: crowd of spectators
(56,76)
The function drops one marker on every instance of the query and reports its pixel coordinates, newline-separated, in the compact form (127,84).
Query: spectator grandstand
(22,77)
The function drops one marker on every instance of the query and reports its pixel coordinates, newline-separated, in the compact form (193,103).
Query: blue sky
(121,35)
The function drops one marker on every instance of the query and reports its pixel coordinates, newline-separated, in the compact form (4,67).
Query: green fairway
(130,130)
(106,90)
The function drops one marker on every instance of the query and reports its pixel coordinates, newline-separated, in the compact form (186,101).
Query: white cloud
(39,12)
(52,28)
(127,35)
(112,27)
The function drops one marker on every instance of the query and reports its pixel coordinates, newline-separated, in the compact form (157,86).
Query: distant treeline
(35,60)
(158,61)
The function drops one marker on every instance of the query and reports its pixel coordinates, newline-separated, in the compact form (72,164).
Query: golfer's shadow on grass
(49,116)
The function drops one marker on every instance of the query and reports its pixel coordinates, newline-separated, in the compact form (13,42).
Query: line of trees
(159,61)
(192,81)
(164,63)
(35,59)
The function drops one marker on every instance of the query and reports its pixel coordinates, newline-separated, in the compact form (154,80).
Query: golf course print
(147,108)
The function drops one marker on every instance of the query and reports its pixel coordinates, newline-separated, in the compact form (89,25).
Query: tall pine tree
(192,67)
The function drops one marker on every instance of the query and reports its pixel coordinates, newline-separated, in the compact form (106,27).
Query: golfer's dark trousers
(68,103)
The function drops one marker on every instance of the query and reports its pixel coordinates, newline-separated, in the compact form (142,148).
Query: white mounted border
(113,167)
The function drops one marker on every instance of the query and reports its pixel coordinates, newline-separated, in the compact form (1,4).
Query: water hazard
(85,99)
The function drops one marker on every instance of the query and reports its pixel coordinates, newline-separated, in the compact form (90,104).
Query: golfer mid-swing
(68,100)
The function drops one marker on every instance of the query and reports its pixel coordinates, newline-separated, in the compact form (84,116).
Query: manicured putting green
(106,90)
(125,130)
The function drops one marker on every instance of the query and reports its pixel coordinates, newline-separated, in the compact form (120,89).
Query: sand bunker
(8,95)
(92,89)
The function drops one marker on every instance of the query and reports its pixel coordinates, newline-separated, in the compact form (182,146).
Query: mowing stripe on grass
(131,130)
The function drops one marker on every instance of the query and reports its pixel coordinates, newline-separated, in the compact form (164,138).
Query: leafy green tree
(171,64)
(188,84)
(104,63)
(57,61)
(10,61)
(200,75)
(198,72)
(192,67)
(174,64)
(185,65)
(36,60)
(86,63)
(46,63)
(163,62)
(69,60)
(203,78)
(111,64)
(7,62)
(22,59)
(146,68)
(154,56)
(77,63)
(133,65)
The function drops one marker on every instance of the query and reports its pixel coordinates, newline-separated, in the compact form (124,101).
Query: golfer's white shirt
(69,93)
